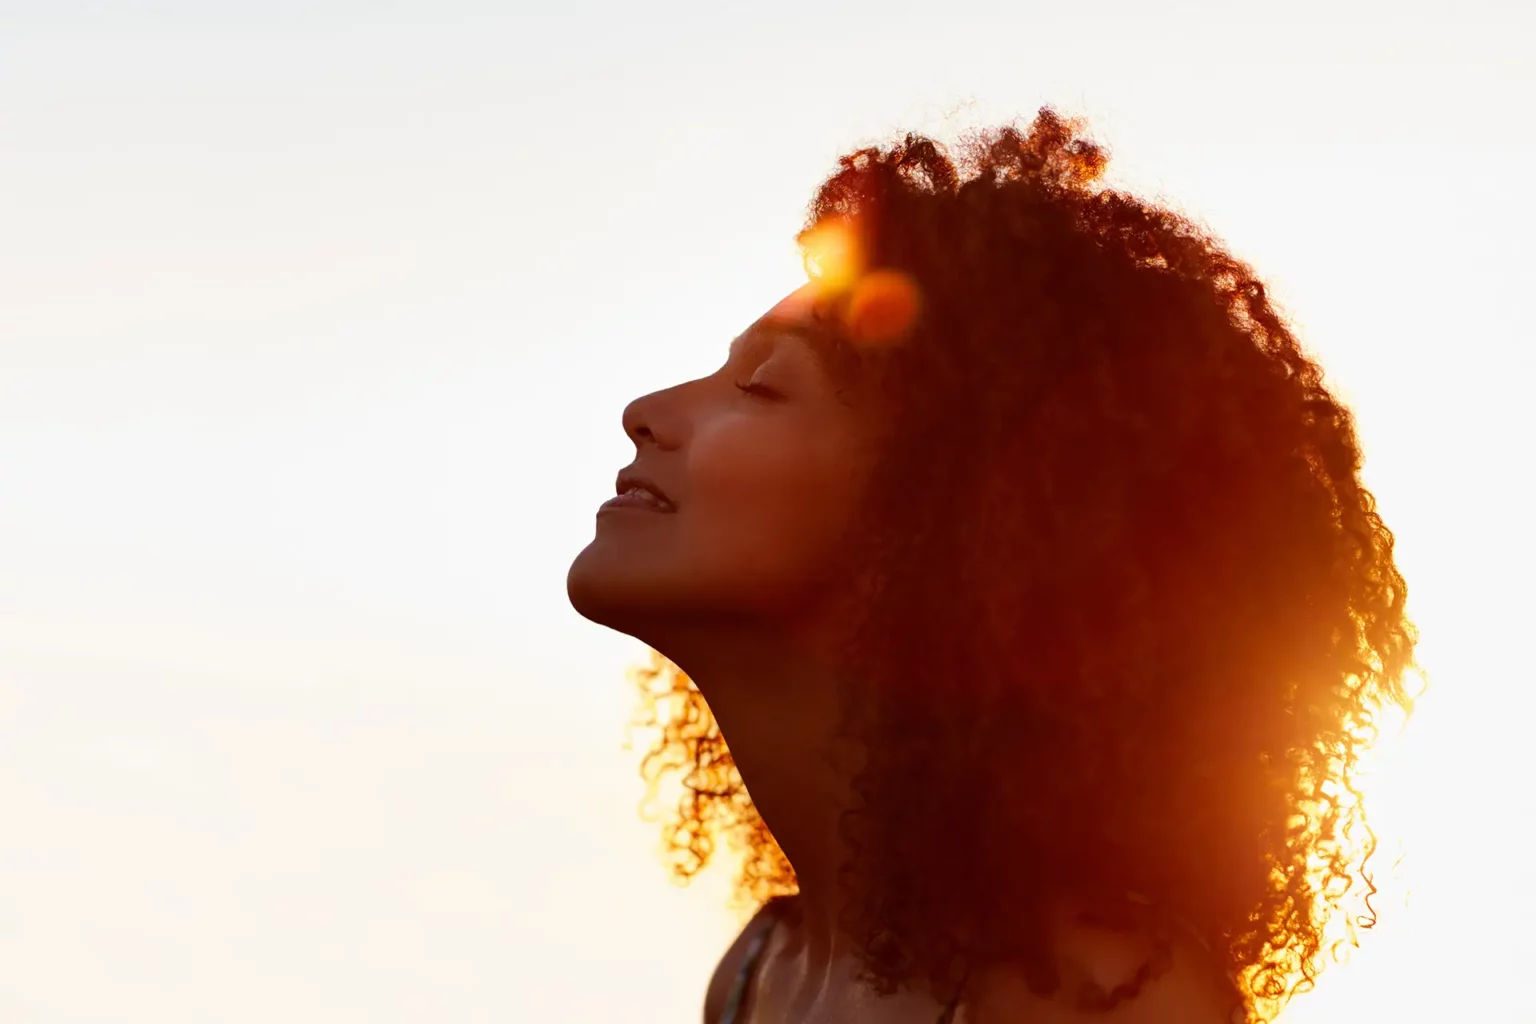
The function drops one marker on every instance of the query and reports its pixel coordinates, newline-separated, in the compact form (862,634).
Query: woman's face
(758,467)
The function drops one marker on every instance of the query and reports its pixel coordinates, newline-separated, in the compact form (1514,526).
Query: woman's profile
(1023,560)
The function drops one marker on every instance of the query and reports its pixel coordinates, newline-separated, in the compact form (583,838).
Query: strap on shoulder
(761,928)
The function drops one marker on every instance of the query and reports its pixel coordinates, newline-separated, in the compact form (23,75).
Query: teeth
(639,494)
(645,494)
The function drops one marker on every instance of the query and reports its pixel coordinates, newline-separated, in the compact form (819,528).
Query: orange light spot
(883,307)
(831,254)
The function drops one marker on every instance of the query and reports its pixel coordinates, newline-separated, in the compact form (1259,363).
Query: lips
(636,491)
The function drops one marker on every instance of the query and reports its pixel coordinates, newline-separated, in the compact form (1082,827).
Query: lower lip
(630,501)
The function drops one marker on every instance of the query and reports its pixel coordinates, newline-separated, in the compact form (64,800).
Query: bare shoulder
(724,978)
(1179,983)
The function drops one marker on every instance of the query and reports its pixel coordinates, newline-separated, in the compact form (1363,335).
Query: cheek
(769,502)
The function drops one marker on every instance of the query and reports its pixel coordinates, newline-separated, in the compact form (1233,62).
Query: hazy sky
(316,320)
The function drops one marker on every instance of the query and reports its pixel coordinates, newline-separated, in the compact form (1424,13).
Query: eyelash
(759,390)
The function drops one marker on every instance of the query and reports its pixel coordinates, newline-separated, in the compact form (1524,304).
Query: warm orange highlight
(883,307)
(832,253)
(1133,615)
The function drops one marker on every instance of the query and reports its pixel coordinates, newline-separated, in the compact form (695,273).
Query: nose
(646,420)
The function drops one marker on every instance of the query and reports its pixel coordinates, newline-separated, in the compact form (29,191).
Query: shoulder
(1175,981)
(730,965)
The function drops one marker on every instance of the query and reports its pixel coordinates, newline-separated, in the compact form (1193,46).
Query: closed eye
(760,390)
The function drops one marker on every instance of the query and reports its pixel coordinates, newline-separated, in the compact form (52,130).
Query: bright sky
(316,320)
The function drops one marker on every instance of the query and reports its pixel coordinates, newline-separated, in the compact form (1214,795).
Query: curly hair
(1145,618)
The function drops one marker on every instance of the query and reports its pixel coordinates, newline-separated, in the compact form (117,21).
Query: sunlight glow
(318,323)
(882,308)
(832,254)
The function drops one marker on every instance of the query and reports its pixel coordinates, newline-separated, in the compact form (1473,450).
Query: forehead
(801,304)
(802,315)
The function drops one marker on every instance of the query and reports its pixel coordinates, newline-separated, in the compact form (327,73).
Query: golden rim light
(877,307)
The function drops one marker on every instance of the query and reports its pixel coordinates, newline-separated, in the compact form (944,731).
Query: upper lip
(628,479)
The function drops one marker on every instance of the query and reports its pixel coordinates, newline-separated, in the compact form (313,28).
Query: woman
(1023,558)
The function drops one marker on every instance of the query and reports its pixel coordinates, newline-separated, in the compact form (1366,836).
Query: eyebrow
(829,348)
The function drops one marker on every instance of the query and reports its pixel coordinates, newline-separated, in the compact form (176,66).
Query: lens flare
(832,254)
(877,307)
(883,307)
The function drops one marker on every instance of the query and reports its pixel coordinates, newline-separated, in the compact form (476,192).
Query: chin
(588,591)
(611,593)
(646,600)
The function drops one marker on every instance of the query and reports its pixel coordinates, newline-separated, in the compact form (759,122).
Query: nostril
(636,423)
(653,419)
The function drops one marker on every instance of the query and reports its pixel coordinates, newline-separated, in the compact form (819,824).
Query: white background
(316,320)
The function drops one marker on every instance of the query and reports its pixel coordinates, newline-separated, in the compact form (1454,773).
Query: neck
(776,702)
